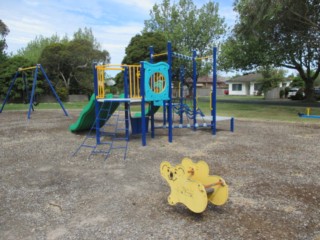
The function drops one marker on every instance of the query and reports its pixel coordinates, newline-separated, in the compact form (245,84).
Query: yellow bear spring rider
(192,185)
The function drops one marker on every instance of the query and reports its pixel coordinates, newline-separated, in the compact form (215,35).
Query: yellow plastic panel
(183,190)
(200,172)
(192,185)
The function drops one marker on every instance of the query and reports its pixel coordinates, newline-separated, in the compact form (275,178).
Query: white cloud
(113,22)
(143,4)
(116,38)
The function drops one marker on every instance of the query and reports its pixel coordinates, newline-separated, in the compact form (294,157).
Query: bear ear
(180,170)
(164,167)
(186,161)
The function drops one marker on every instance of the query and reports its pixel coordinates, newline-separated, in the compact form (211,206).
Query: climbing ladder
(113,131)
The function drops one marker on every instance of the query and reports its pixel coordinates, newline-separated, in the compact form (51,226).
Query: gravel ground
(272,169)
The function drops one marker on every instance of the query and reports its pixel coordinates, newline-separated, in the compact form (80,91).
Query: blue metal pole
(232,124)
(214,93)
(52,89)
(170,92)
(194,85)
(126,83)
(126,104)
(152,113)
(33,90)
(181,94)
(95,85)
(143,110)
(164,106)
(9,90)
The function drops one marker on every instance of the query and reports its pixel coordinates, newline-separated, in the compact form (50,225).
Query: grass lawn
(251,98)
(266,112)
(67,105)
(237,110)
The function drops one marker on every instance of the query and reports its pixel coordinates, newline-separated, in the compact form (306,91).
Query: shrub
(63,93)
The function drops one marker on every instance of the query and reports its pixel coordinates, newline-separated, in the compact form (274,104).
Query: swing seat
(192,185)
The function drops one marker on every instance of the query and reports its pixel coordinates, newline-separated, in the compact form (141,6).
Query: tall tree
(87,34)
(186,26)
(8,69)
(71,64)
(35,47)
(282,33)
(271,78)
(138,48)
(4,31)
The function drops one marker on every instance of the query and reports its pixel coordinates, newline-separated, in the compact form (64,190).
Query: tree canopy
(283,33)
(271,78)
(4,31)
(8,69)
(35,47)
(70,64)
(138,48)
(186,26)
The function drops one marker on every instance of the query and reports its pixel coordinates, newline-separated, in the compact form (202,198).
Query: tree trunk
(309,89)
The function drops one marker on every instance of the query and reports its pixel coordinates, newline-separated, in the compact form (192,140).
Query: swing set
(32,99)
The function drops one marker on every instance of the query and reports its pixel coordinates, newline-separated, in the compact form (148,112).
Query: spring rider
(192,185)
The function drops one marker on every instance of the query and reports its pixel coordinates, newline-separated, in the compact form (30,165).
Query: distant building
(206,82)
(249,84)
(204,85)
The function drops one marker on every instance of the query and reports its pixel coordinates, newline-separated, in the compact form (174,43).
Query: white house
(249,84)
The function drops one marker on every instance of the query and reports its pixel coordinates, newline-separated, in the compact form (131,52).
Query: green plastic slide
(87,116)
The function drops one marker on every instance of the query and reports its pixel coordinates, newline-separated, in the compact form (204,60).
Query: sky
(113,22)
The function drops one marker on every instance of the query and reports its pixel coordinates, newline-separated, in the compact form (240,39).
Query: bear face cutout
(171,173)
(192,185)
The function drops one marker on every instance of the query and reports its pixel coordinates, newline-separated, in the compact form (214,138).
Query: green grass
(237,110)
(67,105)
(251,98)
(265,112)
(261,111)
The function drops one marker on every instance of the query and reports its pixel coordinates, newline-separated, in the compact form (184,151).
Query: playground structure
(193,113)
(34,84)
(191,185)
(307,114)
(147,83)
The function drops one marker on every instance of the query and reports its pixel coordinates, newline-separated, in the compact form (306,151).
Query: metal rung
(100,151)
(105,143)
(119,139)
(88,146)
(110,124)
(116,126)
(118,147)
(107,134)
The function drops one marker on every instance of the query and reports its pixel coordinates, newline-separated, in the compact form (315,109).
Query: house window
(236,87)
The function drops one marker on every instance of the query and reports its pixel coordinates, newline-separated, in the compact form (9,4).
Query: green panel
(87,116)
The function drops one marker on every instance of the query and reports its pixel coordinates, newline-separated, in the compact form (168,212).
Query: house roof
(251,77)
(208,79)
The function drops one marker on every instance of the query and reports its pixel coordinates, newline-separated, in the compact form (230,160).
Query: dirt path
(272,170)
